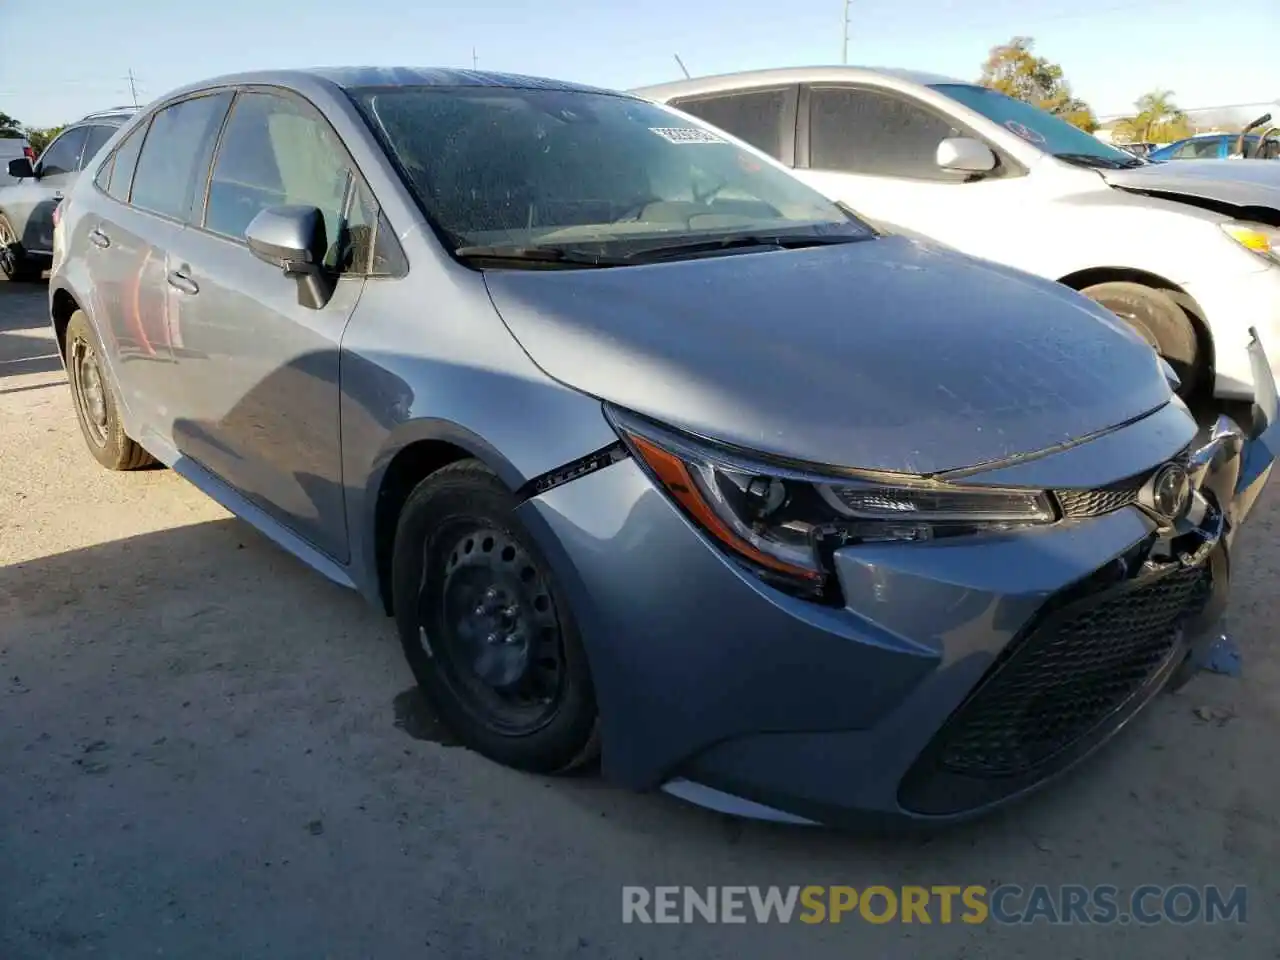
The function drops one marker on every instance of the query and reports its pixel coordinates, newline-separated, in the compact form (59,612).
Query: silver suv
(28,201)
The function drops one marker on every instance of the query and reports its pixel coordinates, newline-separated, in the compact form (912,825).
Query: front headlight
(783,522)
(1255,237)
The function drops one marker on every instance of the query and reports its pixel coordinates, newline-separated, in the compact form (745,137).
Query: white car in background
(1188,253)
(13,148)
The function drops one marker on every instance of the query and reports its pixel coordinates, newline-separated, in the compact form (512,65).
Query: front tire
(14,263)
(95,402)
(1156,317)
(485,628)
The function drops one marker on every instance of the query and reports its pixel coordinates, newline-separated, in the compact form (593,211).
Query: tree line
(38,137)
(1015,70)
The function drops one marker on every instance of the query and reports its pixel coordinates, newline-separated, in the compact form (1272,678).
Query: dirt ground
(200,757)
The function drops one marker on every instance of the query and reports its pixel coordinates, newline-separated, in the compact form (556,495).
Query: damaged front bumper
(956,677)
(1096,653)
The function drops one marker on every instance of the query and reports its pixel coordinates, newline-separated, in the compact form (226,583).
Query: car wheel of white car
(13,262)
(1158,319)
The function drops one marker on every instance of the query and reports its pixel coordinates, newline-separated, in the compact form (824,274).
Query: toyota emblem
(1171,491)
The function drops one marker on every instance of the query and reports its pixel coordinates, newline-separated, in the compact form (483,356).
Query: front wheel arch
(1092,276)
(415,450)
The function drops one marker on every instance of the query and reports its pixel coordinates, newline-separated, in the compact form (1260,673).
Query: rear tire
(486,630)
(15,266)
(1156,317)
(97,408)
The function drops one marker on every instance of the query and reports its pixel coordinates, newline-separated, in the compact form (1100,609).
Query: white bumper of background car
(1231,306)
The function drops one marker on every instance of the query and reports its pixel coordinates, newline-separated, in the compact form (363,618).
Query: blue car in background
(1213,146)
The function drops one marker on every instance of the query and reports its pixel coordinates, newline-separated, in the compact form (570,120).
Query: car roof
(115,115)
(348,77)
(1214,136)
(760,78)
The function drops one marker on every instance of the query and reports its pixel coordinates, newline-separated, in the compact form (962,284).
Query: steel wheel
(487,617)
(487,629)
(89,390)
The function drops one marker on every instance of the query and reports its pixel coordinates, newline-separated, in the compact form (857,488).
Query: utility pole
(133,89)
(474,61)
(844,33)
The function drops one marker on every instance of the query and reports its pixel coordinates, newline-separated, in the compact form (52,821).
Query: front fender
(427,358)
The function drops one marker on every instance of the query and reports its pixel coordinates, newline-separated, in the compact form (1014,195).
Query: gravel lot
(200,757)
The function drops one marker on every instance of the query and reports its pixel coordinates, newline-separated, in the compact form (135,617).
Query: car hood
(1241,183)
(887,354)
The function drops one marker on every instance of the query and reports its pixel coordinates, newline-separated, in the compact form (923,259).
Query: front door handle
(181,280)
(98,238)
(57,194)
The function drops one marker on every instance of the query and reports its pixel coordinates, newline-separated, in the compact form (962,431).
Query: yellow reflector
(1248,238)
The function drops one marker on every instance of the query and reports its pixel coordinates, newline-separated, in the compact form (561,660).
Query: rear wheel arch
(62,306)
(1091,277)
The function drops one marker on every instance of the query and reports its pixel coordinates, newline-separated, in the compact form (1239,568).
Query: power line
(135,85)
(1223,106)
(1080,15)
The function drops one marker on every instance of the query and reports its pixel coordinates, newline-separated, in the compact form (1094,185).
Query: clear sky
(68,57)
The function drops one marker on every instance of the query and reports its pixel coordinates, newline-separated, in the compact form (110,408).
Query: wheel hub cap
(501,626)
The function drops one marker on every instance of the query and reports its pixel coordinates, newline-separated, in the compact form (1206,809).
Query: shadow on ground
(201,755)
(23,318)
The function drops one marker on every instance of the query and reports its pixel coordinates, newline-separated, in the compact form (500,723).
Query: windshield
(534,167)
(1038,127)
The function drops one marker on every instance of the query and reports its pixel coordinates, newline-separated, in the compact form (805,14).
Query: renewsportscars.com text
(942,904)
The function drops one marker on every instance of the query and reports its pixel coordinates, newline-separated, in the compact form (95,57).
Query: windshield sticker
(686,135)
(1025,132)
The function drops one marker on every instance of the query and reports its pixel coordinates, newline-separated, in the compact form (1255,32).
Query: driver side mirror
(21,168)
(293,239)
(965,155)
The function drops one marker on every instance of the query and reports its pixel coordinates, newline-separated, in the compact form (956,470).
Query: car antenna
(682,66)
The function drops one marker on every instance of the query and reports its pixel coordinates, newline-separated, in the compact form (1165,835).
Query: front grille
(1060,681)
(1081,504)
(1077,504)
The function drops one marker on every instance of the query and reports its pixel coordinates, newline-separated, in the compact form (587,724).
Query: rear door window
(99,134)
(756,116)
(63,155)
(174,162)
(118,173)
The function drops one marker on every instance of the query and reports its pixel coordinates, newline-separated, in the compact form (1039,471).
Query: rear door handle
(98,238)
(181,280)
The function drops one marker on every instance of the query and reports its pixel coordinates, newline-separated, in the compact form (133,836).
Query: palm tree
(1156,108)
